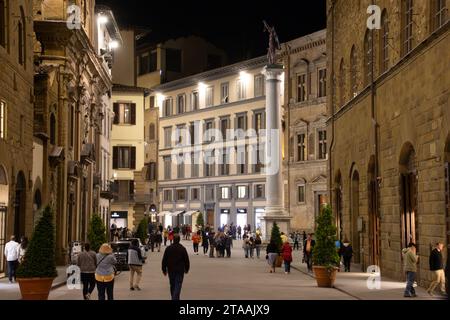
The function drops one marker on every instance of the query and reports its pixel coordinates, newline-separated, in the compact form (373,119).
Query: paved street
(236,278)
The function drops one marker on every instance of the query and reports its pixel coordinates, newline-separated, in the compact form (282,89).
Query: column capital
(273,72)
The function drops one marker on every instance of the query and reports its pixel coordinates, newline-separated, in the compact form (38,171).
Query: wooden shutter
(133,113)
(133,158)
(115,157)
(131,187)
(116,110)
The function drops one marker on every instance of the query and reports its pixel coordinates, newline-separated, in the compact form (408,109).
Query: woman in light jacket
(104,274)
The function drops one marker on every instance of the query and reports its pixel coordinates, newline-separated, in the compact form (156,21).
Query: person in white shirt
(12,257)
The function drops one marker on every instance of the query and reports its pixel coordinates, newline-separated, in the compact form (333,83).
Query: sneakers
(132,289)
(137,288)
(87,296)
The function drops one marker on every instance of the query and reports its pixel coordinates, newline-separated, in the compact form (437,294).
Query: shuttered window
(124,113)
(124,157)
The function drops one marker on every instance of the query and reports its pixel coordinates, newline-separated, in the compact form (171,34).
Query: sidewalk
(12,291)
(355,284)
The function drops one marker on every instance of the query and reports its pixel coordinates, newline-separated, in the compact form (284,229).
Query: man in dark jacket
(175,262)
(212,242)
(437,268)
(308,246)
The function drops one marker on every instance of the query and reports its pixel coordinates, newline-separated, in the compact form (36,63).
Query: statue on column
(274,43)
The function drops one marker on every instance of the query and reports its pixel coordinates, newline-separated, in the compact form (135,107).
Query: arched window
(341,83)
(407,26)
(368,58)
(22,36)
(438,13)
(384,42)
(353,73)
(3,23)
(52,129)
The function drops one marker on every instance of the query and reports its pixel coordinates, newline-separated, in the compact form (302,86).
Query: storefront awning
(190,213)
(162,214)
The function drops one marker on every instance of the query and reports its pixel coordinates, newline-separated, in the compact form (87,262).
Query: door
(210,217)
(374,226)
(409,208)
(2,238)
(241,219)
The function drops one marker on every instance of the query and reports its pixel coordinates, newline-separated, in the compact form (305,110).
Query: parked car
(142,246)
(120,250)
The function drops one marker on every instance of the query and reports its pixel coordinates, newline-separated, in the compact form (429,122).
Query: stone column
(273,163)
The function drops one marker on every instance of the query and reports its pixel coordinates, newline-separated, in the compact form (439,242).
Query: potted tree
(142,230)
(276,236)
(38,270)
(96,233)
(200,223)
(324,255)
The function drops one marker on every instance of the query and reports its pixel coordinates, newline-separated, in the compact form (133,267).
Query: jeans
(287,266)
(211,252)
(195,247)
(107,287)
(165,241)
(138,271)
(205,249)
(12,265)
(246,251)
(228,249)
(308,260)
(296,245)
(176,281)
(251,252)
(258,250)
(347,261)
(410,277)
(88,280)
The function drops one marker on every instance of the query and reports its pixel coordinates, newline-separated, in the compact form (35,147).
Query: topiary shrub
(276,236)
(96,233)
(324,252)
(142,230)
(200,221)
(39,260)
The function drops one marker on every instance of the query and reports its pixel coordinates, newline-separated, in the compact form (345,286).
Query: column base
(282,219)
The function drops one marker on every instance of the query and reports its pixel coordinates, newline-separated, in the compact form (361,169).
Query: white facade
(228,98)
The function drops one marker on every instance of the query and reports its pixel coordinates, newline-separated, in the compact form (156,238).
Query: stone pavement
(10,291)
(236,278)
(355,284)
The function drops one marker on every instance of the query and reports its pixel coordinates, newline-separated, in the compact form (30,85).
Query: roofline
(124,88)
(112,26)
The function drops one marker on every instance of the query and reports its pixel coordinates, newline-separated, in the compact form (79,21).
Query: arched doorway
(20,206)
(374,217)
(338,205)
(4,193)
(408,196)
(355,216)
(37,204)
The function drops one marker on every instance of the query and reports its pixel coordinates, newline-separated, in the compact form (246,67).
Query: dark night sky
(235,26)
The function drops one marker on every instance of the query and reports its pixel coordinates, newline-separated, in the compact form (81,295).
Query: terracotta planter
(35,288)
(325,277)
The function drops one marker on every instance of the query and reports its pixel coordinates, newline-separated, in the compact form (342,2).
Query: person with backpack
(87,262)
(105,272)
(346,251)
(251,244)
(135,262)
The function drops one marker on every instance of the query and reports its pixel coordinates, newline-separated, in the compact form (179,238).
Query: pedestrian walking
(228,245)
(158,240)
(23,248)
(195,241)
(171,234)
(346,251)
(284,237)
(135,262)
(286,253)
(87,262)
(251,245)
(410,260)
(437,268)
(308,246)
(105,272)
(272,252)
(205,242)
(296,241)
(166,235)
(258,243)
(246,245)
(239,232)
(212,242)
(12,258)
(152,240)
(175,262)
